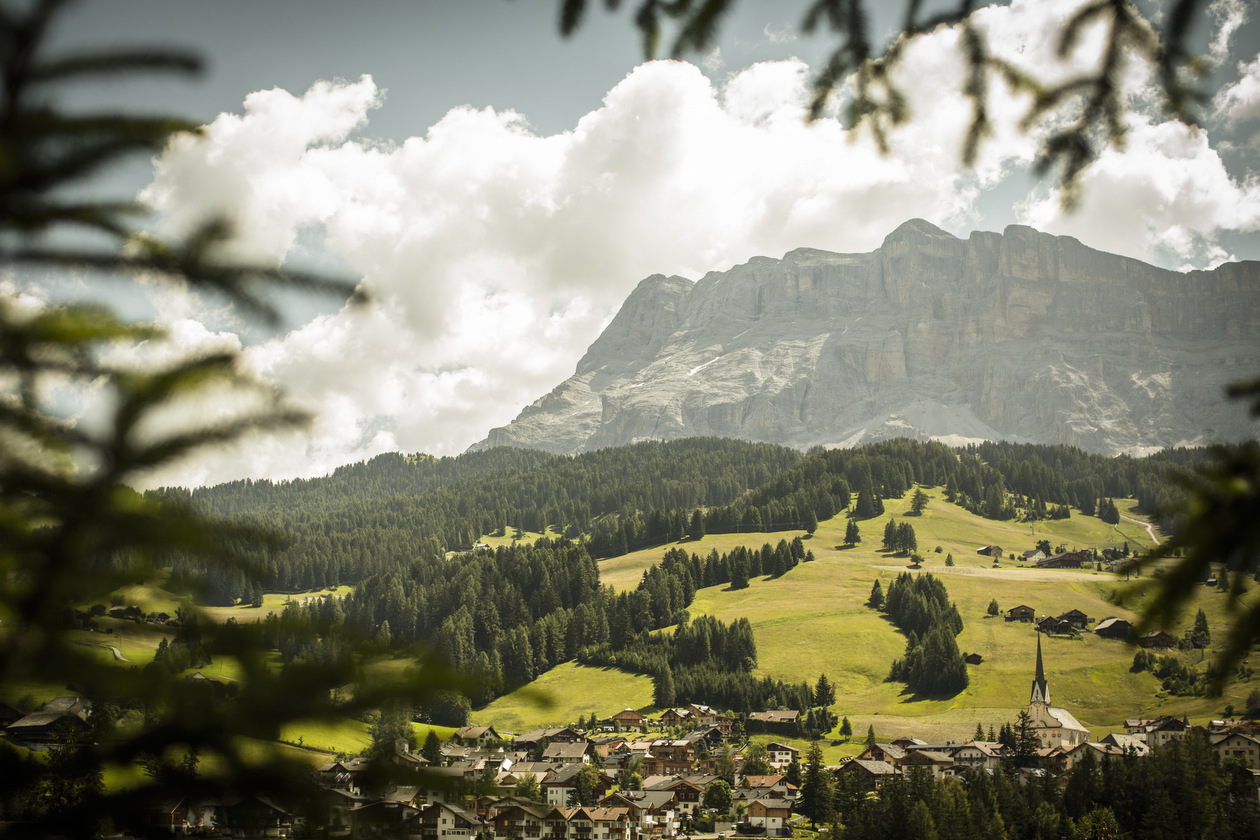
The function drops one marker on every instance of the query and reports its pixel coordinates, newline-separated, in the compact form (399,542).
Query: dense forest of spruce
(388,527)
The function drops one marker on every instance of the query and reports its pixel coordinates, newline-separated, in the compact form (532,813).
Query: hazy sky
(502,190)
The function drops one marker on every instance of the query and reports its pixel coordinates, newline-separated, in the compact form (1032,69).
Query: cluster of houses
(1074,621)
(473,790)
(474,787)
(1063,742)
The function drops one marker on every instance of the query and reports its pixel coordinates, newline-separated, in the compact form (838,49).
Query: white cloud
(1229,16)
(496,254)
(1165,199)
(1240,102)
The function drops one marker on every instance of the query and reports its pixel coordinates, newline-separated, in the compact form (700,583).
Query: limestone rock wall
(1019,335)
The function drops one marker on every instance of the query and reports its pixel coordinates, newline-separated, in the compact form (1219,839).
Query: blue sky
(502,189)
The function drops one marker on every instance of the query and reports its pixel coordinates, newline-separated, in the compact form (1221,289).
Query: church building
(1055,727)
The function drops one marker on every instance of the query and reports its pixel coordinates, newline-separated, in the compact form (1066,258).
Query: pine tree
(824,693)
(918,502)
(876,601)
(816,788)
(852,536)
(870,736)
(846,729)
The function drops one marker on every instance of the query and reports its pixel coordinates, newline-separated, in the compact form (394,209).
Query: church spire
(1040,689)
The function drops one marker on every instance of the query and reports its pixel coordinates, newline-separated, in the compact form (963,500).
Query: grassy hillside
(814,620)
(563,694)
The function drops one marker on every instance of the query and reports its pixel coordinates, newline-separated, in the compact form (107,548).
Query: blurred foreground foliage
(72,530)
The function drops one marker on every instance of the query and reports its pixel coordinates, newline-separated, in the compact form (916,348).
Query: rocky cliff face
(1015,336)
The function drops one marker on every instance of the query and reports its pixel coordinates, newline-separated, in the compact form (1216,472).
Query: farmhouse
(1066,560)
(1113,628)
(1022,613)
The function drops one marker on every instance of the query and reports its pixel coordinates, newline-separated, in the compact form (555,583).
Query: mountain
(1020,336)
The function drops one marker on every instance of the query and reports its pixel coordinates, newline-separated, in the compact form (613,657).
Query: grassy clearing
(273,602)
(565,693)
(341,736)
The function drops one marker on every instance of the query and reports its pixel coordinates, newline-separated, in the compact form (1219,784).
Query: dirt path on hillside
(117,653)
(1150,529)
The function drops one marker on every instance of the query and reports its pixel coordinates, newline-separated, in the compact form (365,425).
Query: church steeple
(1040,689)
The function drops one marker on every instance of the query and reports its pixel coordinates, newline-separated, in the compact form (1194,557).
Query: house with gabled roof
(1022,613)
(1237,745)
(873,774)
(563,752)
(771,814)
(653,811)
(984,755)
(476,736)
(445,821)
(934,761)
(1113,628)
(628,719)
(890,753)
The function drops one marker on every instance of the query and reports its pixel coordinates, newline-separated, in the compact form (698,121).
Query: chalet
(1022,613)
(774,786)
(775,718)
(651,811)
(1165,730)
(476,736)
(552,735)
(1033,555)
(1113,628)
(873,774)
(1066,560)
(1054,626)
(674,718)
(974,659)
(1157,639)
(520,820)
(443,821)
(57,722)
(588,823)
(705,738)
(889,753)
(771,815)
(1100,751)
(1130,744)
(990,551)
(688,792)
(604,747)
(933,761)
(669,757)
(628,719)
(1076,618)
(985,755)
(564,752)
(560,783)
(781,755)
(1237,744)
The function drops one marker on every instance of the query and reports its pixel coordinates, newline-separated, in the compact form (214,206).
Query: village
(692,771)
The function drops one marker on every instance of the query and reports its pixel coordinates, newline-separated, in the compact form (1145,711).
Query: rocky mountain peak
(1019,335)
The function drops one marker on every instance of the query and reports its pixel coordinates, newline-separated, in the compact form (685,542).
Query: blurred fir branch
(72,531)
(1085,113)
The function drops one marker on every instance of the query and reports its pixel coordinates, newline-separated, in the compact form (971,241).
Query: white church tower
(1055,727)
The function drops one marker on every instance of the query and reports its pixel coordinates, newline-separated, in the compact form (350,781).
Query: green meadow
(815,620)
(564,694)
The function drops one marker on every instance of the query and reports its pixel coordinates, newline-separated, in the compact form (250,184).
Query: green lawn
(273,602)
